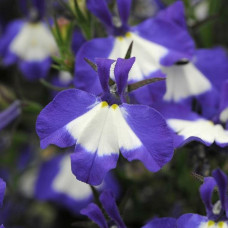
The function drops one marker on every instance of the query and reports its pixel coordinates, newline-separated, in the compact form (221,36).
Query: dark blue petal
(65,107)
(206,191)
(149,94)
(156,139)
(121,71)
(95,214)
(55,182)
(161,223)
(100,9)
(45,190)
(174,13)
(124,7)
(12,30)
(2,190)
(209,103)
(160,4)
(168,30)
(191,221)
(85,77)
(108,201)
(77,41)
(34,70)
(221,180)
(90,167)
(103,70)
(40,6)
(214,64)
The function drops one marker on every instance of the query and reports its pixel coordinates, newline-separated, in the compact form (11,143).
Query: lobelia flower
(101,126)
(208,125)
(217,214)
(108,202)
(158,41)
(55,182)
(198,78)
(29,42)
(188,126)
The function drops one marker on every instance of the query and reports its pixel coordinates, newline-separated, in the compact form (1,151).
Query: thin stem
(50,86)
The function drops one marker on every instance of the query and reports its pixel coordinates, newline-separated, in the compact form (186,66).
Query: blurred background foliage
(171,192)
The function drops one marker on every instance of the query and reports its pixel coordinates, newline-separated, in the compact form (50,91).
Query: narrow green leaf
(129,51)
(93,65)
(137,85)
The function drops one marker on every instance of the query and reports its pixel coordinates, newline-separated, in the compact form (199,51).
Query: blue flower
(217,214)
(29,43)
(108,202)
(202,79)
(159,41)
(189,126)
(208,122)
(55,182)
(101,126)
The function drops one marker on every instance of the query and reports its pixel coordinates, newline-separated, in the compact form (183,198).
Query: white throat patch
(184,81)
(34,42)
(103,129)
(148,55)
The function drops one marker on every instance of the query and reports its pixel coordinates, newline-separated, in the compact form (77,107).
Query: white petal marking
(224,115)
(184,81)
(34,42)
(148,55)
(221,134)
(212,224)
(103,129)
(126,137)
(201,128)
(65,182)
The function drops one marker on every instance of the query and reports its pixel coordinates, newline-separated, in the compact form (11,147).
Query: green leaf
(142,83)
(129,51)
(93,65)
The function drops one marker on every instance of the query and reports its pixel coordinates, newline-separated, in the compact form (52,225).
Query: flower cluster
(97,84)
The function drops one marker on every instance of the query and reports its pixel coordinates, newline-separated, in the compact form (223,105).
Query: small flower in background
(205,120)
(159,41)
(29,42)
(217,213)
(56,183)
(107,200)
(101,126)
(63,79)
(189,126)
(202,80)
